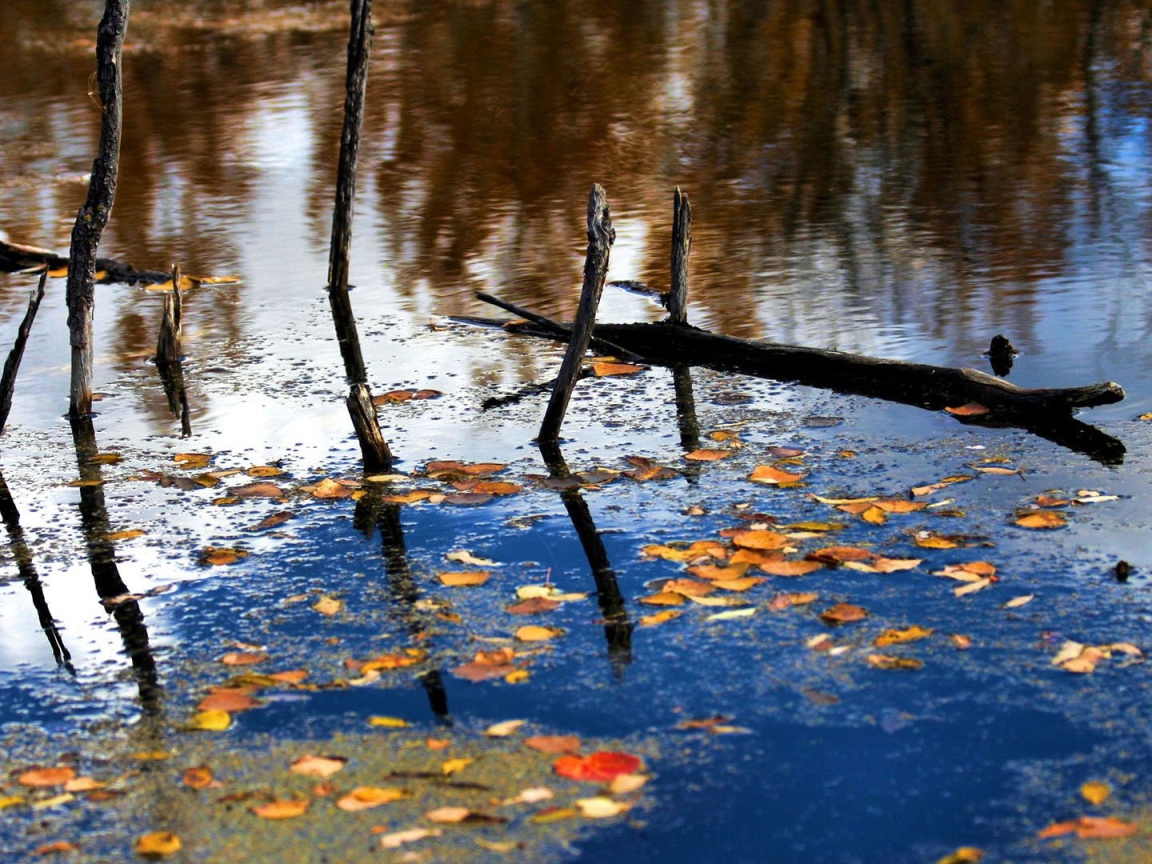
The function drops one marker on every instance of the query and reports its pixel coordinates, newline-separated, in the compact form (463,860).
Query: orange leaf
(773,476)
(367,797)
(554,744)
(199,777)
(228,699)
(843,613)
(242,658)
(56,776)
(464,579)
(281,809)
(318,766)
(708,455)
(1042,519)
(969,409)
(790,568)
(603,369)
(600,767)
(751,538)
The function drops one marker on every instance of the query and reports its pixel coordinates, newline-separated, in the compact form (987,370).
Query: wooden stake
(373,446)
(601,236)
(168,347)
(681,245)
(12,364)
(93,216)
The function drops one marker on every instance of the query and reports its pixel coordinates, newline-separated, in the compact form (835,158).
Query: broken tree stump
(601,236)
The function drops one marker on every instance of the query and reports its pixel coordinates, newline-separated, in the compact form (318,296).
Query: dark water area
(903,180)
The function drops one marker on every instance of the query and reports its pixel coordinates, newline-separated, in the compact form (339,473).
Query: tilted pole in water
(373,445)
(97,208)
(601,236)
(12,364)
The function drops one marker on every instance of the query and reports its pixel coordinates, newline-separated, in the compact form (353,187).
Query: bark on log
(93,216)
(601,236)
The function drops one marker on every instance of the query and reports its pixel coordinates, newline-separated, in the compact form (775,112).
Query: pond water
(899,180)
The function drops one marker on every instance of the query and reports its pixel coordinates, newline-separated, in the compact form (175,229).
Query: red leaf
(599,767)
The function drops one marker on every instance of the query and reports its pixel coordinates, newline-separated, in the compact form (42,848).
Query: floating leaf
(7,801)
(889,661)
(199,777)
(732,614)
(663,598)
(603,369)
(1095,792)
(920,491)
(408,497)
(660,617)
(969,409)
(599,767)
(158,844)
(395,396)
(56,848)
(1041,519)
(125,535)
(1091,827)
(533,606)
(708,455)
(328,605)
(742,584)
(774,476)
(458,815)
(46,777)
(504,729)
(896,637)
(210,721)
(441,470)
(554,744)
(464,579)
(288,808)
(971,571)
(465,557)
(880,564)
(601,807)
(791,568)
(720,574)
(963,855)
(318,766)
(367,797)
(788,600)
(455,766)
(536,633)
(388,722)
(192,460)
(221,556)
(258,490)
(243,658)
(272,521)
(752,538)
(400,838)
(553,814)
(328,488)
(228,699)
(83,784)
(973,587)
(843,613)
(1017,602)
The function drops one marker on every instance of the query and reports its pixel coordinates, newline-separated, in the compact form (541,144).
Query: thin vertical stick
(373,446)
(601,236)
(681,245)
(12,364)
(93,216)
(168,348)
(359,45)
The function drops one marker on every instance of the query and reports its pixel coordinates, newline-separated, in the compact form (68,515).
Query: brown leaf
(257,490)
(220,557)
(752,538)
(553,744)
(243,658)
(774,476)
(228,699)
(1041,519)
(663,598)
(969,409)
(603,369)
(442,470)
(719,574)
(890,661)
(318,766)
(533,606)
(708,455)
(272,521)
(791,568)
(56,848)
(843,613)
(199,777)
(790,599)
(688,587)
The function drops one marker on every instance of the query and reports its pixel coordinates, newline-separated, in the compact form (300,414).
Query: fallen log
(1045,412)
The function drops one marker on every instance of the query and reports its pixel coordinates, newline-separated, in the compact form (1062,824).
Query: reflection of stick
(12,364)
(93,216)
(601,235)
(27,568)
(106,572)
(686,408)
(401,586)
(373,446)
(617,627)
(168,355)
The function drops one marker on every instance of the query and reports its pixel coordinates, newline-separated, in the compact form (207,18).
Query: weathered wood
(20,258)
(681,245)
(168,347)
(12,364)
(373,446)
(97,208)
(543,321)
(359,45)
(601,235)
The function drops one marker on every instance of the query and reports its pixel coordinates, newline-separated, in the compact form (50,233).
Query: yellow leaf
(455,766)
(874,515)
(264,471)
(410,835)
(660,617)
(537,633)
(367,797)
(158,844)
(211,721)
(218,557)
(963,855)
(464,579)
(192,460)
(328,488)
(328,605)
(1095,792)
(10,801)
(553,814)
(125,535)
(388,722)
(281,809)
(895,637)
(517,677)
